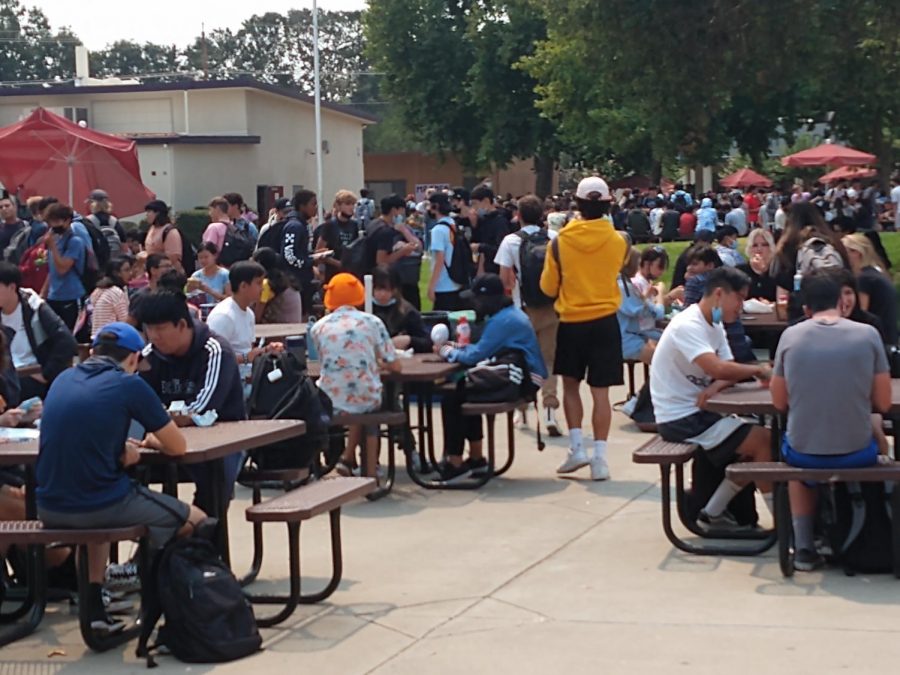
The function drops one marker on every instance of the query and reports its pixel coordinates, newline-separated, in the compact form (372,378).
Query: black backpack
(89,274)
(207,617)
(99,243)
(532,253)
(355,256)
(503,377)
(188,252)
(461,268)
(271,238)
(857,522)
(17,245)
(236,246)
(293,396)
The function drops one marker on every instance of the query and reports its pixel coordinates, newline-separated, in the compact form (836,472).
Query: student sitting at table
(507,328)
(81,478)
(403,321)
(353,346)
(692,363)
(157,265)
(280,302)
(829,425)
(234,321)
(637,314)
(211,279)
(40,338)
(186,362)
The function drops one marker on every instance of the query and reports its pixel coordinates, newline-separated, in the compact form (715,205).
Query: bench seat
(33,532)
(498,408)
(388,418)
(323,496)
(659,451)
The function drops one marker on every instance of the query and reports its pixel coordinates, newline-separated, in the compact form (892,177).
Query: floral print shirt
(350,343)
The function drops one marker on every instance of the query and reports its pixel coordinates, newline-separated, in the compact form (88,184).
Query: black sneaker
(722,523)
(478,467)
(447,473)
(106,625)
(807,561)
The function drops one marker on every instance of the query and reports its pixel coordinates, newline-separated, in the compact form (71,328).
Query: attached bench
(324,496)
(258,480)
(33,534)
(779,473)
(630,366)
(667,455)
(386,418)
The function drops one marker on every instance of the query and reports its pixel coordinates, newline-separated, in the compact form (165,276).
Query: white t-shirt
(895,197)
(20,348)
(641,283)
(234,325)
(508,255)
(675,380)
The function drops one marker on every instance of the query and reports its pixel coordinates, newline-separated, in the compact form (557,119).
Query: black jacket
(295,249)
(401,318)
(51,341)
(206,378)
(492,227)
(10,389)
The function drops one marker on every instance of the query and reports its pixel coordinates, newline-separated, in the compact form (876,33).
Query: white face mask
(399,219)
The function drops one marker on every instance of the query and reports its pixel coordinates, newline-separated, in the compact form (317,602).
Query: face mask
(399,219)
(733,245)
(58,229)
(482,212)
(717,315)
(389,303)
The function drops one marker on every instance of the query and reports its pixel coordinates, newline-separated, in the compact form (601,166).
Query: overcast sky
(100,22)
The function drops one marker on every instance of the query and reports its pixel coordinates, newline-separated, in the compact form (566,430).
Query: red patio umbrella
(829,154)
(46,154)
(847,173)
(745,178)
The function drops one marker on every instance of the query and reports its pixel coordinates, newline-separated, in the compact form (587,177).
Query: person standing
(580,271)
(737,217)
(294,244)
(162,236)
(392,244)
(67,262)
(338,232)
(540,311)
(491,226)
(10,224)
(442,290)
(236,214)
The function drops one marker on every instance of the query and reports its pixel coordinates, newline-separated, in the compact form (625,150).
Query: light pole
(318,107)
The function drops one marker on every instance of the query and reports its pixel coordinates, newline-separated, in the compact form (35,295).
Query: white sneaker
(520,419)
(551,423)
(575,460)
(599,469)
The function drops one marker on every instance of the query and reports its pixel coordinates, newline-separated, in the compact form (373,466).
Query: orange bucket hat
(344,289)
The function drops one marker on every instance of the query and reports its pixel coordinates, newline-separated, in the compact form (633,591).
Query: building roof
(190,85)
(191,139)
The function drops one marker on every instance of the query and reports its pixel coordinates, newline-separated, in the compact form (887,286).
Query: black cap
(485,286)
(157,205)
(440,198)
(461,193)
(282,204)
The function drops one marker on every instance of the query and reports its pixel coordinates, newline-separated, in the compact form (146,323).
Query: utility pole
(318,114)
(204,51)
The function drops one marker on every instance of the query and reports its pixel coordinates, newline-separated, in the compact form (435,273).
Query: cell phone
(25,406)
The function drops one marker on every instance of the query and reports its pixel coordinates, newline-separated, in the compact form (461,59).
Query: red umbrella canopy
(745,178)
(829,154)
(847,173)
(47,154)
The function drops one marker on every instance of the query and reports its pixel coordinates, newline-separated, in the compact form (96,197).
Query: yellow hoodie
(591,253)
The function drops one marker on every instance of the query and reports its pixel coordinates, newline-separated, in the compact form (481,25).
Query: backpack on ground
(640,410)
(857,522)
(99,244)
(532,253)
(107,226)
(17,245)
(364,211)
(236,246)
(293,396)
(461,268)
(816,253)
(207,617)
(188,252)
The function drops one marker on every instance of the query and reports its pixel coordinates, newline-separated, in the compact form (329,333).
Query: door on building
(266,196)
(378,190)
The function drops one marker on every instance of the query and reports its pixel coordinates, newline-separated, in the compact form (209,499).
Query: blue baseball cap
(126,336)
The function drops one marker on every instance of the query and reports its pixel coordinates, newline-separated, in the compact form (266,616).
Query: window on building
(76,114)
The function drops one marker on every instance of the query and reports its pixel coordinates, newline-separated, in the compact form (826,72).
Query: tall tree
(451,70)
(125,58)
(29,50)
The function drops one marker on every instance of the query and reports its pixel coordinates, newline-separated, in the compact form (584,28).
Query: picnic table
(28,371)
(418,376)
(205,444)
(279,331)
(752,399)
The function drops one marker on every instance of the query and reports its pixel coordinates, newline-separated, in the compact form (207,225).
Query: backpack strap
(858,508)
(554,250)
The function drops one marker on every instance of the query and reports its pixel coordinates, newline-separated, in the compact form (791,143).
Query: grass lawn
(891,241)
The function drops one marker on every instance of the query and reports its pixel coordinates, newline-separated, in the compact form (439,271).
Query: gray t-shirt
(829,369)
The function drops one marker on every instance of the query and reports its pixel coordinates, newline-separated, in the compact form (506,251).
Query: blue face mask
(399,219)
(389,303)
(733,245)
(717,315)
(482,212)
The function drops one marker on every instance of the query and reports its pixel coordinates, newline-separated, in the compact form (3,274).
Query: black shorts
(723,454)
(592,347)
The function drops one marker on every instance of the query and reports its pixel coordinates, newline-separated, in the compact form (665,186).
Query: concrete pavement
(531,574)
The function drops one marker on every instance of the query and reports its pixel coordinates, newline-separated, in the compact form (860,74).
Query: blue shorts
(868,456)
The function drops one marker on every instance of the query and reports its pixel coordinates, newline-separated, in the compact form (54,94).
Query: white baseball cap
(593,188)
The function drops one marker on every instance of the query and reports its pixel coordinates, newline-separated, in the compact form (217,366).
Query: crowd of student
(565,293)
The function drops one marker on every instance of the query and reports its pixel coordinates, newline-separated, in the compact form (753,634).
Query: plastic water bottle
(463,332)
(798,279)
(311,352)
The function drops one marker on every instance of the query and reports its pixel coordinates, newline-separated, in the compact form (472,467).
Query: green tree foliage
(451,69)
(125,58)
(29,49)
